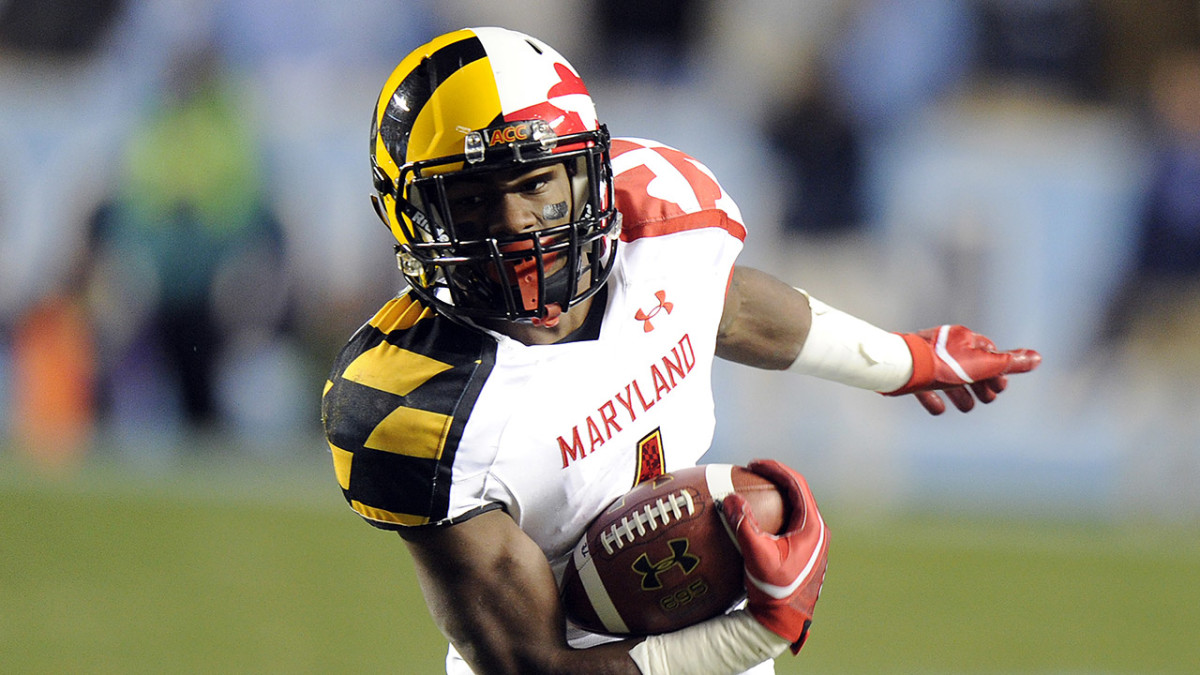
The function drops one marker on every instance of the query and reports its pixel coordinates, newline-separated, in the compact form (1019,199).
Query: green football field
(243,567)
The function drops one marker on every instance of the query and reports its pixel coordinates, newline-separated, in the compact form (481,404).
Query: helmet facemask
(532,276)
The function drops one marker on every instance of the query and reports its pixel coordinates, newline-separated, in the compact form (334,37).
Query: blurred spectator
(1170,244)
(188,205)
(1138,34)
(53,380)
(1056,43)
(304,68)
(56,28)
(187,257)
(891,60)
(647,40)
(821,150)
(1159,307)
(51,69)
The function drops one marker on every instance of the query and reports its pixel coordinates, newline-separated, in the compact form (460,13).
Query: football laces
(659,513)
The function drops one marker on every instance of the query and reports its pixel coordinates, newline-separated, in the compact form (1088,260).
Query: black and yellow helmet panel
(481,100)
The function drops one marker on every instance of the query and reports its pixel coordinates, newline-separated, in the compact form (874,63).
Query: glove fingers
(737,514)
(987,390)
(998,384)
(961,398)
(932,402)
(755,544)
(1022,360)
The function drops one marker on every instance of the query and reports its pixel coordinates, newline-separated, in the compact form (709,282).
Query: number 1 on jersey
(650,457)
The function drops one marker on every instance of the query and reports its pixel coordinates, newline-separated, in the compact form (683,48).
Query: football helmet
(484,100)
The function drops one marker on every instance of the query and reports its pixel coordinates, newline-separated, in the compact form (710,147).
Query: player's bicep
(764,322)
(492,593)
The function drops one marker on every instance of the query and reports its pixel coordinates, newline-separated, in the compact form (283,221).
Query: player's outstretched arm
(768,324)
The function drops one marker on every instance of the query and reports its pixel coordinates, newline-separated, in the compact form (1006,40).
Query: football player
(567,293)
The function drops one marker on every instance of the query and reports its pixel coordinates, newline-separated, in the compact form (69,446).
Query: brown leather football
(660,557)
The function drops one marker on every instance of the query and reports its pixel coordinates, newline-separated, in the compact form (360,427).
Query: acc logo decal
(509,133)
(663,305)
(679,556)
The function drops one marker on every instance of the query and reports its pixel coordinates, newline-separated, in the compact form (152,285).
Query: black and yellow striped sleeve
(394,408)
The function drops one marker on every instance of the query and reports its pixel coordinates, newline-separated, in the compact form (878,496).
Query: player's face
(506,203)
(515,206)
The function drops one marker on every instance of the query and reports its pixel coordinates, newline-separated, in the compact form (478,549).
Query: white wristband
(845,349)
(724,645)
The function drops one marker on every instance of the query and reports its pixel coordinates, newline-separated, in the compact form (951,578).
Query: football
(660,557)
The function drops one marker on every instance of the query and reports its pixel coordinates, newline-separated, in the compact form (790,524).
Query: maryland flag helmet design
(484,100)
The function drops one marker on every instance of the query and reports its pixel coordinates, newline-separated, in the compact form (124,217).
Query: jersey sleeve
(661,190)
(394,408)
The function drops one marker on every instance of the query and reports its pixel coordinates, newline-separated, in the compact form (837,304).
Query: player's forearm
(769,324)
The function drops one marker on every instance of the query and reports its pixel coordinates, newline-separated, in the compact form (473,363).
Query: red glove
(783,573)
(959,362)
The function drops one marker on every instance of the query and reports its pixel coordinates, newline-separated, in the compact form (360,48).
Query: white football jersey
(431,421)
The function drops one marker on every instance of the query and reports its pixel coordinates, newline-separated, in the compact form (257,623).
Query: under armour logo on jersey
(645,317)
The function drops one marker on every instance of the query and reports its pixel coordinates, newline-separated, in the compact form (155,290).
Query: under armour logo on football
(679,556)
(645,317)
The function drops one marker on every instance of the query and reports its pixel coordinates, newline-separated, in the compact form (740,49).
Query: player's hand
(783,573)
(963,364)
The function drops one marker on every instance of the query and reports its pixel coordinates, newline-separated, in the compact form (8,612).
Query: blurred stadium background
(185,241)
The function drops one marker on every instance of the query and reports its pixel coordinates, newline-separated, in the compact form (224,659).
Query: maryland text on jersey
(394,409)
(636,397)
